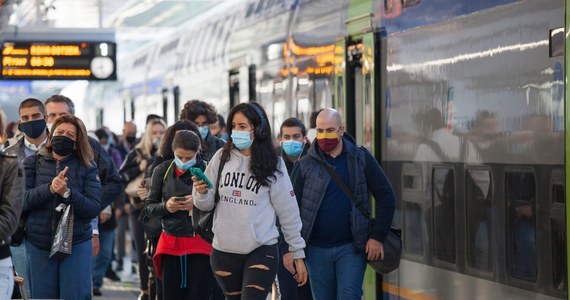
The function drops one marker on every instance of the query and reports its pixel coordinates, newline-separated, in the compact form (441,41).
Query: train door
(360,109)
(359,112)
(567,139)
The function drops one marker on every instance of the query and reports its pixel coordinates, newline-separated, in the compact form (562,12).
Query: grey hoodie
(245,216)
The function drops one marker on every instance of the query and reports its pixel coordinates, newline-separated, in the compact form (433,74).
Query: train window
(443,197)
(558,236)
(415,224)
(478,192)
(250,9)
(340,93)
(520,197)
(558,193)
(415,228)
(557,42)
(388,5)
(558,230)
(408,3)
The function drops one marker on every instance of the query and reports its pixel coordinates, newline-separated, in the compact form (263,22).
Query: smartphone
(146,183)
(180,198)
(201,176)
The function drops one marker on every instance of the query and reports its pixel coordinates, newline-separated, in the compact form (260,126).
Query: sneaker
(97,292)
(112,276)
(143,296)
(119,267)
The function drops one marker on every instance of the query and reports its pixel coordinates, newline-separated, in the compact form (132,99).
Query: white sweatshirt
(245,218)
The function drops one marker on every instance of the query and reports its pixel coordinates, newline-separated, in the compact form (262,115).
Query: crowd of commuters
(281,224)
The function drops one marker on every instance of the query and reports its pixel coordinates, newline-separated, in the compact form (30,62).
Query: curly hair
(264,158)
(195,108)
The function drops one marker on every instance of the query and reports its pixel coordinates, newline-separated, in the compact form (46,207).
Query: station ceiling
(135,21)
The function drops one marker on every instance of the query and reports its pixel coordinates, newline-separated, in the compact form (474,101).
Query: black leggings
(246,276)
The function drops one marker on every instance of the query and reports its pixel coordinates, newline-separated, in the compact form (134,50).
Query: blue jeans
(19,259)
(336,273)
(6,279)
(102,261)
(69,278)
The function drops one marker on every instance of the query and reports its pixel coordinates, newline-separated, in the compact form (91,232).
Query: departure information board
(34,60)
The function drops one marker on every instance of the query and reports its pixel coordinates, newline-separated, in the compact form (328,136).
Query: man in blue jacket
(339,241)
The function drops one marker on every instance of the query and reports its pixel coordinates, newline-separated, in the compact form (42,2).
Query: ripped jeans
(246,276)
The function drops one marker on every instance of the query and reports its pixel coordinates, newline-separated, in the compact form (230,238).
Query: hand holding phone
(180,198)
(201,176)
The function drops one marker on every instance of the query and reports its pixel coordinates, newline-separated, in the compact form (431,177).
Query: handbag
(392,244)
(202,221)
(63,238)
(133,186)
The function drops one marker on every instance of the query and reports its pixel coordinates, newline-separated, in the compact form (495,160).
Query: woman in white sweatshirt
(254,188)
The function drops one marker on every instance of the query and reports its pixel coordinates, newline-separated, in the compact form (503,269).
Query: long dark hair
(166,145)
(264,158)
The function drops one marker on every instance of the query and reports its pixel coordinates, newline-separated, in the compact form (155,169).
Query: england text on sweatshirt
(245,215)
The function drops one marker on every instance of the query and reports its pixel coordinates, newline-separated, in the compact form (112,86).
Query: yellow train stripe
(405,293)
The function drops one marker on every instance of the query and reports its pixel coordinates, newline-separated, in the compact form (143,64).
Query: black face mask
(62,145)
(33,129)
(131,139)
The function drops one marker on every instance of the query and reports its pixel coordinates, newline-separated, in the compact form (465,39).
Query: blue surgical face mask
(184,166)
(292,147)
(204,130)
(224,136)
(241,139)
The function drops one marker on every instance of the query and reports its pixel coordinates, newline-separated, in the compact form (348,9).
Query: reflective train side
(481,201)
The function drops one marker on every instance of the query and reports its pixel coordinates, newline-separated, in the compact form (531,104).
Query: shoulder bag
(63,239)
(392,244)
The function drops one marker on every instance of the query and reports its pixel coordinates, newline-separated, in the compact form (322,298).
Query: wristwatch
(67,193)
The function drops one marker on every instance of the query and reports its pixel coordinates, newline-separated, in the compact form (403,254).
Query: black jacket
(165,184)
(108,174)
(11,197)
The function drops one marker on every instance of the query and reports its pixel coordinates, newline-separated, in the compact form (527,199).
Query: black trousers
(187,277)
(248,276)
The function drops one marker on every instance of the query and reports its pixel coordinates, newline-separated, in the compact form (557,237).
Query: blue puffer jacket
(310,180)
(85,197)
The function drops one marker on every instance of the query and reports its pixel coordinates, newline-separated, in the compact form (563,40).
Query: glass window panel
(558,229)
(444,214)
(479,222)
(415,229)
(520,196)
(557,193)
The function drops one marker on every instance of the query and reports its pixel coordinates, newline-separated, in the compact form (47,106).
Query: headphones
(259,130)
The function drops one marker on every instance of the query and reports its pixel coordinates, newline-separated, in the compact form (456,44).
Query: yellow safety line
(405,293)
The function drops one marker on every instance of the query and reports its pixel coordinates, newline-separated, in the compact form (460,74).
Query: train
(462,103)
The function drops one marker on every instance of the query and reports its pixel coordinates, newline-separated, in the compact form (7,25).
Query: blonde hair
(145,144)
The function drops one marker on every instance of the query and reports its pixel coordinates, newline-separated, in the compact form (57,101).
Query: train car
(462,102)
